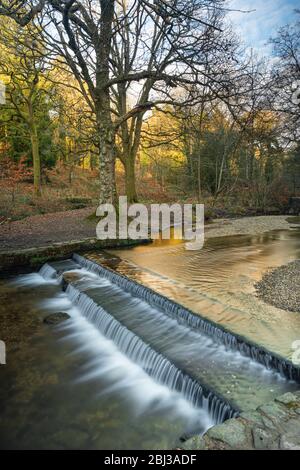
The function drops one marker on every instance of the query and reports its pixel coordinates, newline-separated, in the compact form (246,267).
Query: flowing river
(126,370)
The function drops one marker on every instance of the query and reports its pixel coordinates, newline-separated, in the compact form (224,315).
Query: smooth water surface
(218,281)
(239,380)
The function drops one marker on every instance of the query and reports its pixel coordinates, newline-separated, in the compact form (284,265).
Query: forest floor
(46,229)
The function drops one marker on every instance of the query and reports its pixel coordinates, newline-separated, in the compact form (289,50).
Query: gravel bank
(44,230)
(281,287)
(247,226)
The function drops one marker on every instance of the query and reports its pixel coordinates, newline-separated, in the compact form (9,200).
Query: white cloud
(257,27)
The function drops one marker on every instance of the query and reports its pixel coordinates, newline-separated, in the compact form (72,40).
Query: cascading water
(245,383)
(96,397)
(132,351)
(194,321)
(48,272)
(216,380)
(157,366)
(218,282)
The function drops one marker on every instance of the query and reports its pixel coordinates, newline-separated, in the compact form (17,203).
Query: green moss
(36,260)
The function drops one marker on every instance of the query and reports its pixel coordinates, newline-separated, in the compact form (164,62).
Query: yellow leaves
(265,120)
(5,79)
(257,153)
(161,138)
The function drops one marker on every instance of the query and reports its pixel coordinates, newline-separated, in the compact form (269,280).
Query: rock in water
(56,318)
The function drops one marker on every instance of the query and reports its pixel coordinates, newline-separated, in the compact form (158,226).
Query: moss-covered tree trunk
(36,161)
(107,157)
(35,149)
(130,179)
(102,102)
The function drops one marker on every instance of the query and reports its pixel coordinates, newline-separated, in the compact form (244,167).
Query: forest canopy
(158,100)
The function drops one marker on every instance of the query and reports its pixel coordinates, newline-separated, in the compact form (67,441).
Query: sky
(257,27)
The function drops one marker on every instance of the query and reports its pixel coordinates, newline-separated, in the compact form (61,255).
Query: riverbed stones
(280,287)
(69,438)
(70,277)
(252,417)
(233,433)
(265,439)
(290,441)
(275,413)
(56,318)
(274,425)
(195,442)
(287,398)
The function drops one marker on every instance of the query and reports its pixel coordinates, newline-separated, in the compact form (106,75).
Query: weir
(157,366)
(220,380)
(244,382)
(184,316)
(47,271)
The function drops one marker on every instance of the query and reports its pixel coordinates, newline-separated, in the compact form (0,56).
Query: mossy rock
(38,260)
(56,318)
(233,433)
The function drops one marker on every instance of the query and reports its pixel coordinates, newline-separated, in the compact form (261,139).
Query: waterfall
(154,363)
(185,316)
(48,272)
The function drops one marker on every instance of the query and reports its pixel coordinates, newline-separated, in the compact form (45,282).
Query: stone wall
(275,425)
(34,258)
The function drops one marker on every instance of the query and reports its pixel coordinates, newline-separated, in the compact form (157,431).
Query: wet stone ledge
(274,426)
(12,261)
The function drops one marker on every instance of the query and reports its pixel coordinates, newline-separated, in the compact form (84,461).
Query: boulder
(232,433)
(56,318)
(290,441)
(265,439)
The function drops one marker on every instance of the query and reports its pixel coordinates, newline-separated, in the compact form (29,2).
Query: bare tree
(285,83)
(115,47)
(22,11)
(182,64)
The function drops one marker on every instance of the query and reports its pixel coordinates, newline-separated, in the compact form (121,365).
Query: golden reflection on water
(218,281)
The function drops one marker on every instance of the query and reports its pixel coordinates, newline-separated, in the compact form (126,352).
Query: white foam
(124,376)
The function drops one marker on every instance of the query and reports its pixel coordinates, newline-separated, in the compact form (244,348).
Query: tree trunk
(199,176)
(36,160)
(108,193)
(107,156)
(199,152)
(130,180)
